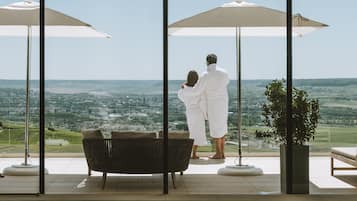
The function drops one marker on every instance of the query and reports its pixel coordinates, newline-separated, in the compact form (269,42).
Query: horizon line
(335,78)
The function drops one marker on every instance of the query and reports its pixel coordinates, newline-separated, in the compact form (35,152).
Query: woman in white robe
(195,112)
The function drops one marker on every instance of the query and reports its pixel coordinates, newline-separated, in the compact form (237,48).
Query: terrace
(69,176)
(117,85)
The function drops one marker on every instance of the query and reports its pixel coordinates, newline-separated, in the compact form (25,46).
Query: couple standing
(206,98)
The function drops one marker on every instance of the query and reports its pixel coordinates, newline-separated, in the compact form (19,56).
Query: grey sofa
(136,155)
(91,134)
(176,135)
(133,134)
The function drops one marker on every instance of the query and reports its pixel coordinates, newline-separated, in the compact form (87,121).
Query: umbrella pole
(239,93)
(238,169)
(25,169)
(27,112)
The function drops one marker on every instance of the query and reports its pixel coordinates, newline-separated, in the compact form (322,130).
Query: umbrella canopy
(252,19)
(17,17)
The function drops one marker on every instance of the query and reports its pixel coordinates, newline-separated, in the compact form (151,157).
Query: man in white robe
(213,86)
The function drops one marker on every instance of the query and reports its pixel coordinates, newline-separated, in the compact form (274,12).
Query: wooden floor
(152,185)
(68,181)
(181,198)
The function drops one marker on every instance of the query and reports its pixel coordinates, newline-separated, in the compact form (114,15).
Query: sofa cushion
(176,135)
(348,152)
(132,134)
(92,133)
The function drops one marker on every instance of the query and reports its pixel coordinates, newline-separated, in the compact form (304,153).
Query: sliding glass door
(325,69)
(104,81)
(252,61)
(19,97)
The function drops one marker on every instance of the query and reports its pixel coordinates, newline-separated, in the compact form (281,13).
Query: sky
(135,50)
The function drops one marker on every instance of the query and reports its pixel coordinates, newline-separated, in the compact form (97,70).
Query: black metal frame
(165,97)
(42,97)
(289,83)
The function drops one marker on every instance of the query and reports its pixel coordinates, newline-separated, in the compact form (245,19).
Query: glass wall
(19,98)
(324,67)
(104,98)
(262,60)
(104,81)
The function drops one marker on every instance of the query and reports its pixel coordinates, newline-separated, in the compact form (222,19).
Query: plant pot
(300,177)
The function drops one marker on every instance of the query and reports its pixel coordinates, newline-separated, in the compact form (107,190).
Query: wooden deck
(68,176)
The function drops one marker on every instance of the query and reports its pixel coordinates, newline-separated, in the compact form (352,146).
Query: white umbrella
(17,18)
(21,19)
(238,19)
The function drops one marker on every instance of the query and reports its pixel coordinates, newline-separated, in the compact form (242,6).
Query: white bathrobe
(213,86)
(195,115)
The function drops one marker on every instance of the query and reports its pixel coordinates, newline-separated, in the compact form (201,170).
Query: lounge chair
(345,154)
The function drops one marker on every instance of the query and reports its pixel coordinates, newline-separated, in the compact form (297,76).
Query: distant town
(137,105)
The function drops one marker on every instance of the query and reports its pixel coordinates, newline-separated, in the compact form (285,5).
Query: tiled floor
(68,175)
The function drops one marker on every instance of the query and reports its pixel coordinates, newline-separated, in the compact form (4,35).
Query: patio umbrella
(237,19)
(21,19)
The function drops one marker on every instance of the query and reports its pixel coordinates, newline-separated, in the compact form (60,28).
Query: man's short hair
(211,59)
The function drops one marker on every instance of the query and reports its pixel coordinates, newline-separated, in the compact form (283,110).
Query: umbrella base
(240,170)
(23,170)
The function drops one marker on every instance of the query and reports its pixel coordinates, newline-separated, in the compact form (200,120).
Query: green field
(11,140)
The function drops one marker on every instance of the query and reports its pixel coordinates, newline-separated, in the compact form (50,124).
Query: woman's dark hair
(192,78)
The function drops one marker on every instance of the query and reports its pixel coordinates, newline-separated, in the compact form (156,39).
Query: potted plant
(305,116)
